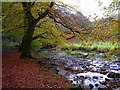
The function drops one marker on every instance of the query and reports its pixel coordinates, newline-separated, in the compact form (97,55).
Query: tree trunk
(21,46)
(26,44)
(25,47)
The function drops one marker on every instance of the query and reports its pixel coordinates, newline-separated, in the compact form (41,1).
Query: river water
(91,73)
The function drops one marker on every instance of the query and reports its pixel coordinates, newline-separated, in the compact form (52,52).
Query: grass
(101,47)
(98,45)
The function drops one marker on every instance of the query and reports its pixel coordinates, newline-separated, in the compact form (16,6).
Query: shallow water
(90,72)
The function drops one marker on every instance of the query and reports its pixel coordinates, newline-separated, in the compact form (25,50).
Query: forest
(53,45)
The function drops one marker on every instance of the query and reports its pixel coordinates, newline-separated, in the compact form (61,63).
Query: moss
(95,55)
(45,69)
(62,66)
(40,54)
(73,87)
(77,52)
(56,75)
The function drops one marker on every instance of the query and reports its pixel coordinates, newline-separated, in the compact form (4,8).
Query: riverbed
(87,72)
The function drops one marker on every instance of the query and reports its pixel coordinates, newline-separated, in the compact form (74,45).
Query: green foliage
(45,69)
(11,38)
(36,45)
(95,55)
(12,16)
(40,54)
(39,7)
(7,42)
(112,8)
(13,25)
(51,35)
(78,53)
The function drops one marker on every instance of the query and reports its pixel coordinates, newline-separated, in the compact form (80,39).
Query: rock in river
(62,72)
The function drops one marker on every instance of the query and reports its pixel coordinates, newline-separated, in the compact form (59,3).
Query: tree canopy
(51,23)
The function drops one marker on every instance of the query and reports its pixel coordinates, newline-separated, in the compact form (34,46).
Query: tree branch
(27,11)
(71,29)
(71,37)
(41,16)
(32,3)
(39,36)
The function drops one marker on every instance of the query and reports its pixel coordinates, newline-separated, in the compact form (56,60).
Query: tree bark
(26,49)
(21,46)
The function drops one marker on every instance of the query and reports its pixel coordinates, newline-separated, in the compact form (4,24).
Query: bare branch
(71,29)
(71,37)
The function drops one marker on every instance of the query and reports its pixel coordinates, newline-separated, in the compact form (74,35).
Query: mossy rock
(94,49)
(113,75)
(95,55)
(73,87)
(76,53)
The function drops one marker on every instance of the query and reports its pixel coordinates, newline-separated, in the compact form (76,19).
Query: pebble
(62,72)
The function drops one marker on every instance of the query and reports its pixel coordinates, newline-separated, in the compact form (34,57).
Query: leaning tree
(30,14)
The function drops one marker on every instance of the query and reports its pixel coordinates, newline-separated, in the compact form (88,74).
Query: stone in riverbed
(114,66)
(67,68)
(96,85)
(103,82)
(103,69)
(62,72)
(95,77)
(116,71)
(53,65)
(77,67)
(91,86)
(113,75)
(107,79)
